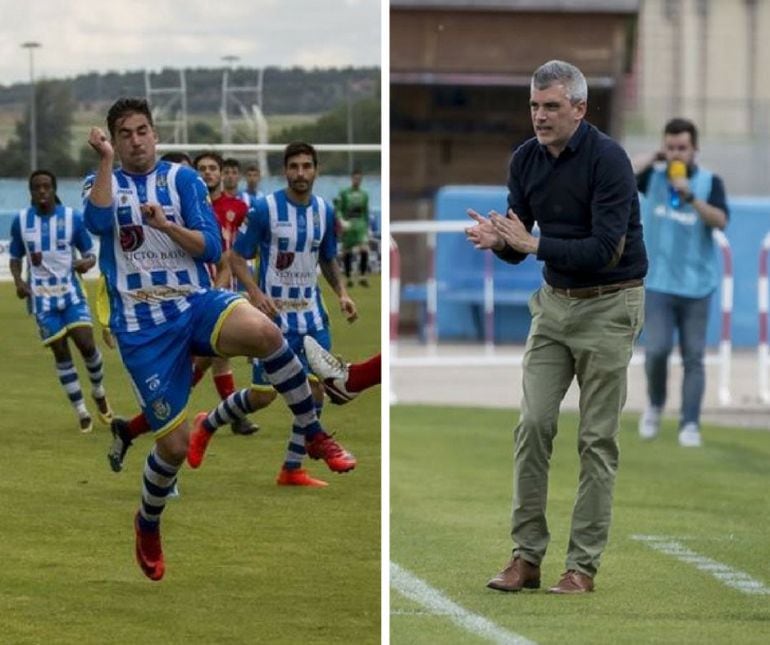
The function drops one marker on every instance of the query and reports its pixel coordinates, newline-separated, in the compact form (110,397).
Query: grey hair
(558,71)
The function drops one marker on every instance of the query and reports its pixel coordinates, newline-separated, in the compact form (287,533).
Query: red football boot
(149,553)
(298,477)
(324,446)
(199,441)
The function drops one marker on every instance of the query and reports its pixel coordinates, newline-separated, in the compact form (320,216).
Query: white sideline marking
(409,585)
(724,573)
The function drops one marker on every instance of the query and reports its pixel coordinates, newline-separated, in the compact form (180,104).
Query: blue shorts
(324,338)
(53,325)
(159,360)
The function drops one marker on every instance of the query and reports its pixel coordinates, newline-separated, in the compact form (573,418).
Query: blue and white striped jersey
(249,199)
(290,239)
(150,278)
(48,242)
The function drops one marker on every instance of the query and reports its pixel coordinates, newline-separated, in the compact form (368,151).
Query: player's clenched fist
(98,140)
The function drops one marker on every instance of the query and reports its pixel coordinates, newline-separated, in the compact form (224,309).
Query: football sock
(138,425)
(68,378)
(235,406)
(197,375)
(225,384)
(158,481)
(285,373)
(364,375)
(348,262)
(363,267)
(95,368)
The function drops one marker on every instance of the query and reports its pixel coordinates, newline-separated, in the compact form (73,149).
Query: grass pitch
(451,497)
(247,561)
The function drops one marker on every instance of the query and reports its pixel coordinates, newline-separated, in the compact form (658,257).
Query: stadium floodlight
(227,135)
(32,46)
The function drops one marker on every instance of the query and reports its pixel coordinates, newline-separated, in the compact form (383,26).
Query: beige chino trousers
(591,339)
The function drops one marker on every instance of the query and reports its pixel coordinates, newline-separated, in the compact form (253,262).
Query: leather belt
(583,293)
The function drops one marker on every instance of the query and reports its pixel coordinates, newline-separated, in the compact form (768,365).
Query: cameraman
(683,203)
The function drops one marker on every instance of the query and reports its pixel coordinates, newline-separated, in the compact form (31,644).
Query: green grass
(451,497)
(247,561)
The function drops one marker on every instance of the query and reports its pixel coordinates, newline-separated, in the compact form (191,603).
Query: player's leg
(161,372)
(342,381)
(83,337)
(200,365)
(347,263)
(363,260)
(244,330)
(53,332)
(320,445)
(225,384)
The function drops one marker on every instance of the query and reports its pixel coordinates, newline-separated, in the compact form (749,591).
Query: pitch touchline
(412,587)
(725,574)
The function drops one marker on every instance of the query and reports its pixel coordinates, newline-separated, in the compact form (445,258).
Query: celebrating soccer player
(158,231)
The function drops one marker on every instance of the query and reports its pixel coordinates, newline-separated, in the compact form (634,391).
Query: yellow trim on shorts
(63,332)
(221,321)
(102,302)
(172,425)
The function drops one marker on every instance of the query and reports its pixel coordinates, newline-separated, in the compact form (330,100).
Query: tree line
(57,102)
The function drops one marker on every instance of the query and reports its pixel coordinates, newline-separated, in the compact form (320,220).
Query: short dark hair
(299,148)
(125,106)
(679,125)
(231,162)
(46,173)
(252,166)
(209,155)
(177,157)
(42,171)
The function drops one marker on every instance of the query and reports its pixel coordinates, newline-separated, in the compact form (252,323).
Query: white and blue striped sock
(68,377)
(235,406)
(95,368)
(157,482)
(286,375)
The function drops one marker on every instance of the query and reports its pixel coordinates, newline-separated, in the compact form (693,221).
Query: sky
(81,36)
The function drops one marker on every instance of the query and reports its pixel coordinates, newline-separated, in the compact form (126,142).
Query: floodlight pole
(32,46)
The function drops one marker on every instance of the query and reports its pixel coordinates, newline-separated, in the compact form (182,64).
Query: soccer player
(353,211)
(158,231)
(342,381)
(293,230)
(231,213)
(48,233)
(253,177)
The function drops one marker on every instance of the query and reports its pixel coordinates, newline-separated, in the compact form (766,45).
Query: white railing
(762,349)
(723,357)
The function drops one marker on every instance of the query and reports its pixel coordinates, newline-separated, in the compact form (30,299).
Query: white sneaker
(332,371)
(649,423)
(689,436)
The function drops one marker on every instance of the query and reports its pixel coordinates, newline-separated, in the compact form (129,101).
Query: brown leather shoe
(518,575)
(573,582)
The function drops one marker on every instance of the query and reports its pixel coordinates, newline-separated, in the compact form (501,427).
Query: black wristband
(689,199)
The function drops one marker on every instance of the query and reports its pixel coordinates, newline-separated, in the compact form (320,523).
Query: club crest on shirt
(230,216)
(161,409)
(284,260)
(36,258)
(131,237)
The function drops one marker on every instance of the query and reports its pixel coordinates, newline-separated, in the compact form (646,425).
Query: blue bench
(461,297)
